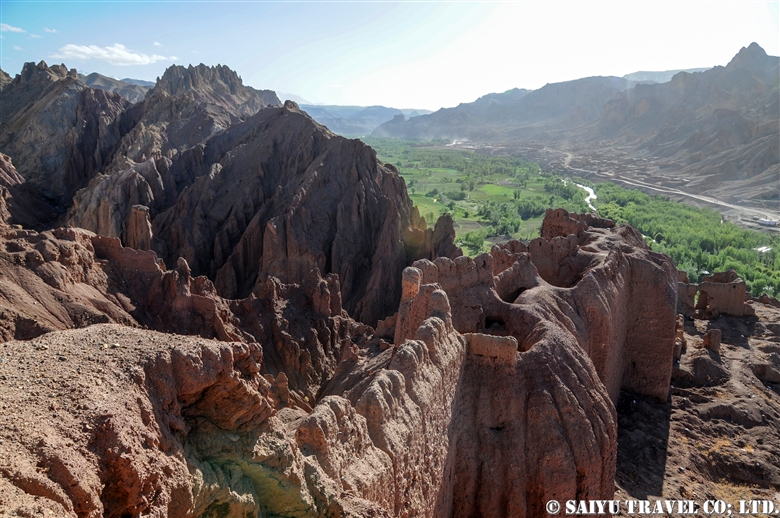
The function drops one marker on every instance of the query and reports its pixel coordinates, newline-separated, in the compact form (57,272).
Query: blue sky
(400,54)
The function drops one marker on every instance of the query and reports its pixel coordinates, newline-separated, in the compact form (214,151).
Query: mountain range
(131,89)
(200,140)
(712,133)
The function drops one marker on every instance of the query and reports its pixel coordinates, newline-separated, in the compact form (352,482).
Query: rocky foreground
(490,392)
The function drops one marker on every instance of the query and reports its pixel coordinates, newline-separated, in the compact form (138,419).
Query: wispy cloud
(17,47)
(157,44)
(46,29)
(4,27)
(116,54)
(36,36)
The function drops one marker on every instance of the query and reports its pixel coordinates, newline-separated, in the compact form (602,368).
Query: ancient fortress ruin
(489,392)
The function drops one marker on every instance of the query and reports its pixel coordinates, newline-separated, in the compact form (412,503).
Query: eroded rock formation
(275,195)
(481,406)
(57,130)
(69,278)
(218,173)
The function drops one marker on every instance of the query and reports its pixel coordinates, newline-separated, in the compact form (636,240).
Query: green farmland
(493,199)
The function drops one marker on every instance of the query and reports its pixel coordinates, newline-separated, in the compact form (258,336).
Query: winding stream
(591,196)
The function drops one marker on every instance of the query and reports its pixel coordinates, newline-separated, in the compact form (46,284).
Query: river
(591,196)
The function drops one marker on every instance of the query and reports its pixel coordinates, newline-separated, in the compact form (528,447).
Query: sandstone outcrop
(52,281)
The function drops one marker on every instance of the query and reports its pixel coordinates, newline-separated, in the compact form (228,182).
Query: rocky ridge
(712,132)
(274,195)
(57,130)
(203,168)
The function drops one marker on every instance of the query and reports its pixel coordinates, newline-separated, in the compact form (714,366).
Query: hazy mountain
(515,112)
(713,131)
(722,122)
(139,82)
(131,92)
(659,77)
(356,120)
(292,97)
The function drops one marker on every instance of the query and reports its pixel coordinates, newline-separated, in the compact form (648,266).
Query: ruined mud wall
(723,293)
(602,284)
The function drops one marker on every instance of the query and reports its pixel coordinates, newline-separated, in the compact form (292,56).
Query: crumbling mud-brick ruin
(722,293)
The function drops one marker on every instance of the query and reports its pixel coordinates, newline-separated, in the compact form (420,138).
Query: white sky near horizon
(400,54)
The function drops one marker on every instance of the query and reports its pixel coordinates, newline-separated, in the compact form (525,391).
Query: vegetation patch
(497,198)
(698,240)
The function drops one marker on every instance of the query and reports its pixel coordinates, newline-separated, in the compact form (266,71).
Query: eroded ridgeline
(554,330)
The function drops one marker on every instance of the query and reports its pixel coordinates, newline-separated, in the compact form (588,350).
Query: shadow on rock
(643,437)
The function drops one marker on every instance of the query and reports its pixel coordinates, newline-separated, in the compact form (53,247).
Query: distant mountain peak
(178,80)
(750,57)
(216,85)
(132,92)
(33,73)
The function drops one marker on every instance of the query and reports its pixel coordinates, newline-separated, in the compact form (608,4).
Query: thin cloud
(36,36)
(17,47)
(46,29)
(157,44)
(116,54)
(4,27)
